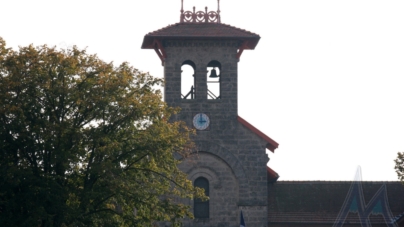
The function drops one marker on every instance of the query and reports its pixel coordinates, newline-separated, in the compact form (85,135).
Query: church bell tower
(200,57)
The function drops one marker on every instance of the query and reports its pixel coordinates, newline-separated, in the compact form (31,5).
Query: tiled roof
(319,218)
(399,218)
(271,144)
(202,31)
(321,201)
(272,176)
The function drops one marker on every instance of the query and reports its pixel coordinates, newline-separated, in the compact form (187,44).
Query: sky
(326,80)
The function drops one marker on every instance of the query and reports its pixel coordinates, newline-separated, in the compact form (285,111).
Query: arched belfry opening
(213,79)
(188,80)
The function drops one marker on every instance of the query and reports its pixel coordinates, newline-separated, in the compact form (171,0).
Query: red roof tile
(203,31)
(272,176)
(271,144)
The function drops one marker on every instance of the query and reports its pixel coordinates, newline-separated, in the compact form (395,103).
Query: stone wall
(230,156)
(223,189)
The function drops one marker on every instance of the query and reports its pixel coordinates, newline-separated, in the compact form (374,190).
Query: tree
(400,166)
(84,143)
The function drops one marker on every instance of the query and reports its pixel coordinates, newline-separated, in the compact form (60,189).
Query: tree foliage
(84,143)
(400,166)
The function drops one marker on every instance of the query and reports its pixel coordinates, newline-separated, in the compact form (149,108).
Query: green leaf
(87,143)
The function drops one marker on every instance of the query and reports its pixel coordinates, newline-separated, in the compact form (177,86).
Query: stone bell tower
(231,164)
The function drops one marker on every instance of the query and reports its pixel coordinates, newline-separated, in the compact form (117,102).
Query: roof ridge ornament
(200,16)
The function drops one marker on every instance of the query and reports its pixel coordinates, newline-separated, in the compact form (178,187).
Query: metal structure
(191,92)
(200,16)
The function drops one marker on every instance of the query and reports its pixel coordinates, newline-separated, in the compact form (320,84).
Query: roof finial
(182,11)
(200,16)
(218,11)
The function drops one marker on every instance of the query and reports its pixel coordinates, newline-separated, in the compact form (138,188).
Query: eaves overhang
(201,31)
(271,144)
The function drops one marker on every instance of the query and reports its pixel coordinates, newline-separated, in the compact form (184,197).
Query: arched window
(187,80)
(213,79)
(201,208)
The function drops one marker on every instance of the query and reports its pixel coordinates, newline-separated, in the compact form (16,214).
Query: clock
(201,121)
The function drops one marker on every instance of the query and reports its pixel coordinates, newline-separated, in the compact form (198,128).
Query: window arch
(213,80)
(187,80)
(201,208)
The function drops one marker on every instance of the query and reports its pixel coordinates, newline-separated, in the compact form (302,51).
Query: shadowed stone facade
(231,153)
(230,156)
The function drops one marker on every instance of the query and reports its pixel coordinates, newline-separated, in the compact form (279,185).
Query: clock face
(201,121)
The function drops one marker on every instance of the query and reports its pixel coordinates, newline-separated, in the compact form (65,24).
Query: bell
(213,74)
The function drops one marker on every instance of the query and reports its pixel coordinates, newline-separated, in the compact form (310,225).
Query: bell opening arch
(213,79)
(188,80)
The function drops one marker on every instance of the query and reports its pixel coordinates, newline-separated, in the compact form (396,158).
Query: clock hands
(201,119)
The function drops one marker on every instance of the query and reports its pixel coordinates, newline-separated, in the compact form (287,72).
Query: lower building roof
(321,202)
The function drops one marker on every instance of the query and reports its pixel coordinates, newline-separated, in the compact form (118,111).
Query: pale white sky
(326,80)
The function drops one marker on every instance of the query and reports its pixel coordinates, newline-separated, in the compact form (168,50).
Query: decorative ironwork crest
(200,16)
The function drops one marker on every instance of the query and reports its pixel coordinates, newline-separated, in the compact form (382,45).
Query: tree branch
(161,175)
